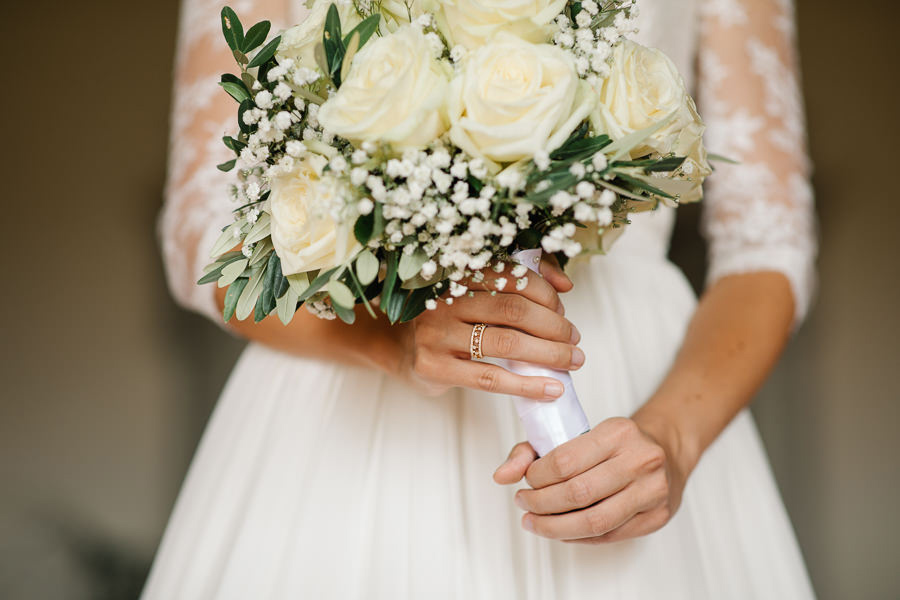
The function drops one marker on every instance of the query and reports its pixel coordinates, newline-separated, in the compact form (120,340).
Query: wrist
(681,446)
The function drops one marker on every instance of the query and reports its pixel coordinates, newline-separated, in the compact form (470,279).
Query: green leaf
(249,296)
(361,293)
(415,304)
(390,279)
(623,146)
(333,44)
(347,315)
(231,272)
(719,158)
(213,271)
(341,294)
(231,298)
(255,36)
(286,305)
(282,286)
(227,166)
(238,91)
(298,282)
(366,28)
(640,184)
(233,144)
(363,227)
(665,165)
(394,307)
(349,53)
(267,52)
(266,301)
(232,29)
(244,107)
(226,240)
(581,148)
(261,251)
(411,264)
(260,229)
(366,267)
(317,283)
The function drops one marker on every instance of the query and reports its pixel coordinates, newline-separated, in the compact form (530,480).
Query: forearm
(737,333)
(368,342)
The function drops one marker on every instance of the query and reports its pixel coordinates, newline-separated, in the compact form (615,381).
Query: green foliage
(232,29)
(267,52)
(256,35)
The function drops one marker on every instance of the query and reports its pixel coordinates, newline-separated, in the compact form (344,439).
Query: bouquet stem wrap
(547,424)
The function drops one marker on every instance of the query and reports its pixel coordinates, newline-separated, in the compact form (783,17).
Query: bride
(357,462)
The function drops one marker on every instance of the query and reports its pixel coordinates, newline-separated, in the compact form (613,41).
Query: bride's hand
(615,482)
(525,324)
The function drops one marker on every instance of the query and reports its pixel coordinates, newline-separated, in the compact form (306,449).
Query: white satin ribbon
(547,424)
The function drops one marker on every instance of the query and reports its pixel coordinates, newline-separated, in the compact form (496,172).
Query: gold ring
(475,345)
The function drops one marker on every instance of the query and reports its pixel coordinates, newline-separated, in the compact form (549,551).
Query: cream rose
(644,88)
(513,99)
(305,235)
(299,42)
(472,23)
(394,92)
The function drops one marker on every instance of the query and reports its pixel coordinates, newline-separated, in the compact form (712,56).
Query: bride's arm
(758,219)
(432,353)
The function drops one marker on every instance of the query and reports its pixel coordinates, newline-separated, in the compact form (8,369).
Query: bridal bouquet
(387,152)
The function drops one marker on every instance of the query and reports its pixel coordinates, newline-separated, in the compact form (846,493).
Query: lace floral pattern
(758,214)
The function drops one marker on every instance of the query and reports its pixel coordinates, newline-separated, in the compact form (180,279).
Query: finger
(581,491)
(594,521)
(640,524)
(516,311)
(494,379)
(554,275)
(502,342)
(516,464)
(581,453)
(536,288)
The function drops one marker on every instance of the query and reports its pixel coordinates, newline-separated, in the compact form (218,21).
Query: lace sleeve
(759,213)
(196,204)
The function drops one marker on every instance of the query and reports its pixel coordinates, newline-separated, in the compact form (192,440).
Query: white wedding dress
(320,481)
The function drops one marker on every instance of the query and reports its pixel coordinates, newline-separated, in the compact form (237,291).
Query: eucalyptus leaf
(366,267)
(267,52)
(286,305)
(347,315)
(238,92)
(411,264)
(260,229)
(298,282)
(623,146)
(341,294)
(316,284)
(227,240)
(255,36)
(235,290)
(232,29)
(247,302)
(231,272)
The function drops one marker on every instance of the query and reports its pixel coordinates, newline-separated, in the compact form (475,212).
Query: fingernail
(527,525)
(577,358)
(519,502)
(553,390)
(576,335)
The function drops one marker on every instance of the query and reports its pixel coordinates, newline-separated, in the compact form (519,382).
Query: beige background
(106,385)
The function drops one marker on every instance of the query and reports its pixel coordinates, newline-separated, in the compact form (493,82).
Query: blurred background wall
(106,384)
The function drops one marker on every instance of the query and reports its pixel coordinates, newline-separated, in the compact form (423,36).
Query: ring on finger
(475,341)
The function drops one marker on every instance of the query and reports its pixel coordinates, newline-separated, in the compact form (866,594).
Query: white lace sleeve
(196,205)
(759,213)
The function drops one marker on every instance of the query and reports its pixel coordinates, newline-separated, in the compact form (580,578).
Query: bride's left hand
(615,482)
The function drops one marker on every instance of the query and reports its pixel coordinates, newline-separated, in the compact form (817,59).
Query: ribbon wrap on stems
(547,424)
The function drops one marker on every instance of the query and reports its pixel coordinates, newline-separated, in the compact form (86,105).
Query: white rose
(643,88)
(471,23)
(299,42)
(395,92)
(304,233)
(513,100)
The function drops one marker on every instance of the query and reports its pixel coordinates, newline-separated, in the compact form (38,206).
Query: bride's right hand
(527,325)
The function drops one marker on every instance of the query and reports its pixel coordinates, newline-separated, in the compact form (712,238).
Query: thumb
(513,470)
